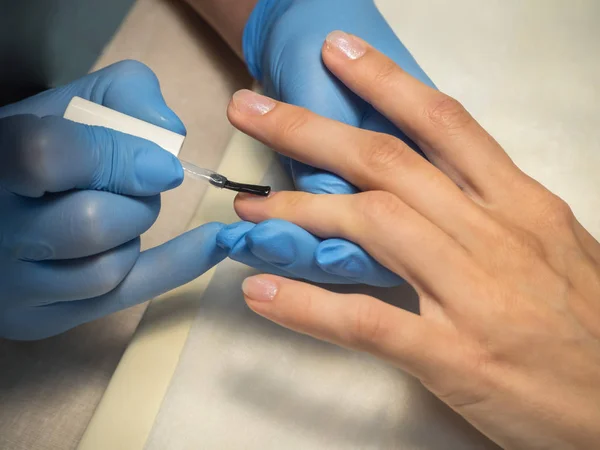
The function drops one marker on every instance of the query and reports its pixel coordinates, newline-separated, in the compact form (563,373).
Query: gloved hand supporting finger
(289,255)
(156,271)
(73,225)
(49,282)
(282,248)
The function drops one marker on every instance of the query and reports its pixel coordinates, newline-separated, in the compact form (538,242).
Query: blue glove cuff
(257,31)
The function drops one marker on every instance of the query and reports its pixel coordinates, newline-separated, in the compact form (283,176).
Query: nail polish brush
(85,112)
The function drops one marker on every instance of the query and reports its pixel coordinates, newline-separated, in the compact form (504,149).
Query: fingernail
(249,102)
(251,197)
(157,170)
(348,45)
(259,289)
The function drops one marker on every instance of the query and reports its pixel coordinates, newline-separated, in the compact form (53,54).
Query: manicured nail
(259,289)
(350,46)
(249,102)
(253,198)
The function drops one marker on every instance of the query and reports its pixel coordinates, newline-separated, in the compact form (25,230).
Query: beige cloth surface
(50,389)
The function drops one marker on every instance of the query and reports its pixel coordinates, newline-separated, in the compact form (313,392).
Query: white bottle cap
(89,113)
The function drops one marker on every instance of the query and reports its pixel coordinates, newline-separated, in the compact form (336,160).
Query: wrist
(226,17)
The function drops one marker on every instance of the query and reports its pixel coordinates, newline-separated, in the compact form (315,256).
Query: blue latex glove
(74,200)
(282,46)
(282,248)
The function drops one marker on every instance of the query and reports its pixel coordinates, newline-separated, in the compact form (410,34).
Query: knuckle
(292,124)
(120,76)
(111,268)
(385,73)
(306,312)
(476,364)
(523,243)
(38,146)
(554,213)
(378,205)
(482,359)
(108,277)
(284,205)
(383,152)
(101,223)
(447,113)
(89,222)
(366,325)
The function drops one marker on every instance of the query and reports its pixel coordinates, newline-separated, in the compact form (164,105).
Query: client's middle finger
(371,161)
(396,235)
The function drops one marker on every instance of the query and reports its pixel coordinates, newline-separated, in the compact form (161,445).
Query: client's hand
(508,280)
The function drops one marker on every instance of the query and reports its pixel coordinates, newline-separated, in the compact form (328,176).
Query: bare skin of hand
(509,282)
(227,17)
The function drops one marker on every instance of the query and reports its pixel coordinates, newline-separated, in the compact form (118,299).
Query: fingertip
(178,179)
(260,289)
(341,46)
(133,88)
(177,173)
(232,113)
(239,206)
(250,103)
(251,208)
(245,107)
(156,171)
(230,235)
(327,50)
(171,121)
(159,113)
(213,227)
